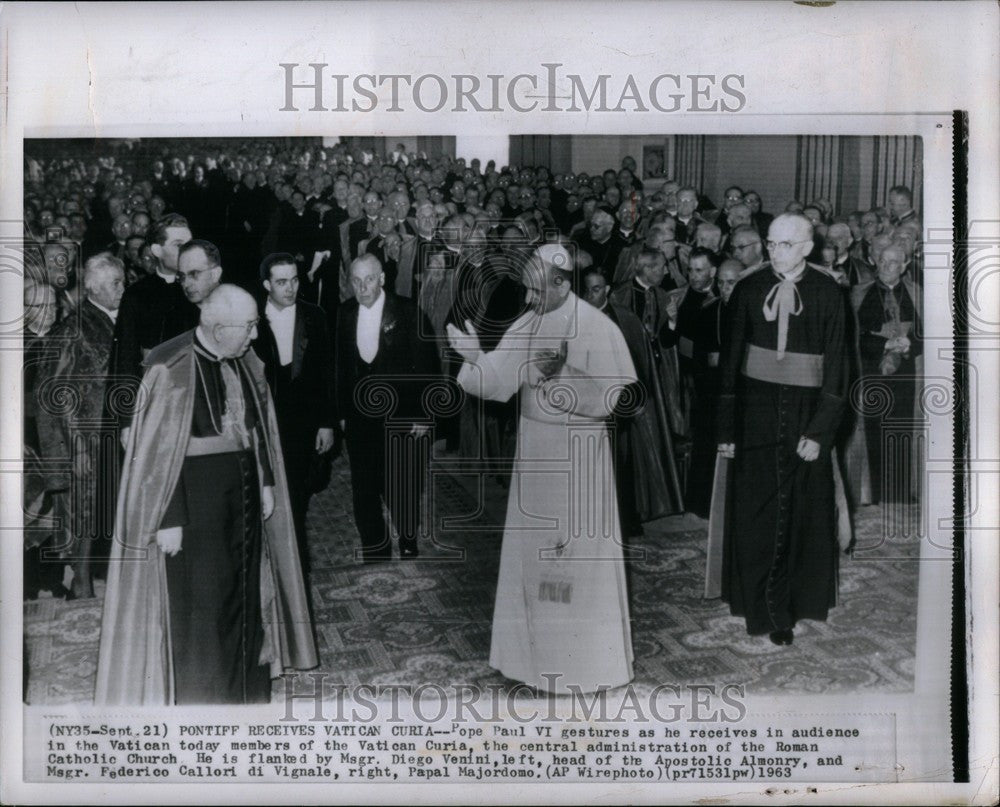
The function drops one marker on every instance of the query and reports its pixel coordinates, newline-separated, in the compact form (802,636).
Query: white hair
(95,268)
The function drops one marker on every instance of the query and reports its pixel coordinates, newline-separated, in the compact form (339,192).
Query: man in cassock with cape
(888,317)
(205,601)
(644,451)
(561,621)
(783,387)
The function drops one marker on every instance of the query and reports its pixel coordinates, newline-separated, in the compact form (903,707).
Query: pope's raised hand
(464,343)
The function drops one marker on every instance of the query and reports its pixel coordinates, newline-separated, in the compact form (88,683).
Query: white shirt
(282,321)
(369,322)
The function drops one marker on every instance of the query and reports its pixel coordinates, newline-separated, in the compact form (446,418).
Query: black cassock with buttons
(780,549)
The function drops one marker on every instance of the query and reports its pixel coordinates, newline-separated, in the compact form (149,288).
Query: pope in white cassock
(561,621)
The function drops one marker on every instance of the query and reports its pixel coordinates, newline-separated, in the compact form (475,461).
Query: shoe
(782,637)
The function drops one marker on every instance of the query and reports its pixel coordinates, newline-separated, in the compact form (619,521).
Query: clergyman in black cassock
(890,347)
(783,386)
(643,445)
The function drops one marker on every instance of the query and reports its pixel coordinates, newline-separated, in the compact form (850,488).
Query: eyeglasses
(773,245)
(751,244)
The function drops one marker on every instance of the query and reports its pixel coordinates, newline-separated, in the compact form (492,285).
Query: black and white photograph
(382,436)
(742,344)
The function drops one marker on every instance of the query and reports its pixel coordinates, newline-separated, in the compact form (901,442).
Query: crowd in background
(450,235)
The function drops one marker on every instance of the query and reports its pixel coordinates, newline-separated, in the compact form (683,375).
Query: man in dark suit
(294,344)
(297,232)
(363,228)
(385,225)
(385,359)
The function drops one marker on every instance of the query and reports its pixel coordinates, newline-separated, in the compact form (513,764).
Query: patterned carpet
(407,623)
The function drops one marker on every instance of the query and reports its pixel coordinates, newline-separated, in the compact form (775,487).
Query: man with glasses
(190,615)
(747,247)
(783,387)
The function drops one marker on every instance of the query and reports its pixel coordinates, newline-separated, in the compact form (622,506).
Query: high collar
(793,276)
(112,315)
(201,345)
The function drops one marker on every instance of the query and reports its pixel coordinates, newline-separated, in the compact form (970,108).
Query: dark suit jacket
(406,362)
(357,231)
(303,393)
(297,234)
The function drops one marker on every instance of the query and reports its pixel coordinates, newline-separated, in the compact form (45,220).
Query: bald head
(709,236)
(727,277)
(739,214)
(228,320)
(790,240)
(225,305)
(367,279)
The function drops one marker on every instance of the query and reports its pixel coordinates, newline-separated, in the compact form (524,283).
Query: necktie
(234,419)
(782,301)
(890,305)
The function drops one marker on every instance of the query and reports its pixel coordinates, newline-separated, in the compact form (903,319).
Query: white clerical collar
(167,278)
(843,260)
(644,286)
(113,315)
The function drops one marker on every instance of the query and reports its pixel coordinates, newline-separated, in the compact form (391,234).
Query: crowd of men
(369,270)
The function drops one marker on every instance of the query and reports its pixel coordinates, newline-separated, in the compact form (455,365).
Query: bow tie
(781,302)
